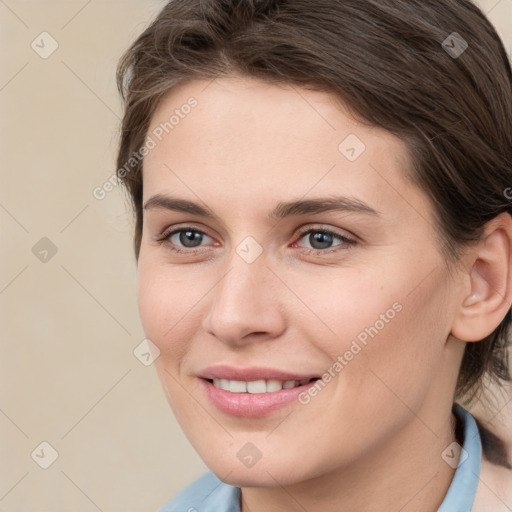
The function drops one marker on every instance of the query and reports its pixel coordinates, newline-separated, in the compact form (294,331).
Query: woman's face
(362,301)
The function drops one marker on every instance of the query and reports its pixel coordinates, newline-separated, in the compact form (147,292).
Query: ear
(487,293)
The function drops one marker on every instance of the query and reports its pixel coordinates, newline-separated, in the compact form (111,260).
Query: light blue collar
(461,493)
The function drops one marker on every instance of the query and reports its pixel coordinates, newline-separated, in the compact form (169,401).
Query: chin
(264,473)
(252,477)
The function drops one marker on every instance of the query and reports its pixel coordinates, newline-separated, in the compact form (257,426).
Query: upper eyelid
(335,231)
(177,229)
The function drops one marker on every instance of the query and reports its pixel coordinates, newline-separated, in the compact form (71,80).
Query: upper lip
(251,374)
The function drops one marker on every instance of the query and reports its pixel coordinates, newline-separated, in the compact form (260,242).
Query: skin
(375,433)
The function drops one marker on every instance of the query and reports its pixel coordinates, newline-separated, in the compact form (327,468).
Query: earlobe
(489,281)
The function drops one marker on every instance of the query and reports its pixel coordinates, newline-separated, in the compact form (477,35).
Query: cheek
(385,357)
(166,307)
(345,309)
(386,335)
(399,338)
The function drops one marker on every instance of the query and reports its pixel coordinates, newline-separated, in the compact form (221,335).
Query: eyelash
(165,239)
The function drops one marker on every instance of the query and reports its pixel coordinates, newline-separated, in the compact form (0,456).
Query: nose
(245,304)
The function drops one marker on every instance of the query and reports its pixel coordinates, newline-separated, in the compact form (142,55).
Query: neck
(406,473)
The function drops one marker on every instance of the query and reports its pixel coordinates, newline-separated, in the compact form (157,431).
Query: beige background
(69,325)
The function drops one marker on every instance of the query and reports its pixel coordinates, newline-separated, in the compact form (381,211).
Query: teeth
(237,386)
(257,386)
(274,385)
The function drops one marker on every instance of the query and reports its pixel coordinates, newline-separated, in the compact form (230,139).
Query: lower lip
(249,405)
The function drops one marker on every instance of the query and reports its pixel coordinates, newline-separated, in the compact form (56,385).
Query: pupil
(319,237)
(189,236)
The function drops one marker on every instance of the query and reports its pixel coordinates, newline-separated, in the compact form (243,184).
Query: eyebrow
(281,210)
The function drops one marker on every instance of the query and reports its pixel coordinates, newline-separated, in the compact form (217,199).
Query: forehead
(256,142)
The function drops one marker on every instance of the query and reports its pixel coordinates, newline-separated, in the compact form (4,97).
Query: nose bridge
(242,303)
(246,270)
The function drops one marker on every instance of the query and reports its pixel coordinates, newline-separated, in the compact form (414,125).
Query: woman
(323,238)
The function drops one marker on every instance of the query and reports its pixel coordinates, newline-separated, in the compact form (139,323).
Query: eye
(185,239)
(322,239)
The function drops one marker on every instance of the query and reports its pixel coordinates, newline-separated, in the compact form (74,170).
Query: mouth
(260,386)
(253,392)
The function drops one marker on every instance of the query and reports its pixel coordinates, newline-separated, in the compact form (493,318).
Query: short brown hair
(435,74)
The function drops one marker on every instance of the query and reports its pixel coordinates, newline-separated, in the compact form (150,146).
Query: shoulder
(206,494)
(494,490)
(495,486)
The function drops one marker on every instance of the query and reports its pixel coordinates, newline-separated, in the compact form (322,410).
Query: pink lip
(250,404)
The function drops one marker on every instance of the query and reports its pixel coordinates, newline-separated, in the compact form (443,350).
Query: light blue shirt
(209,494)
